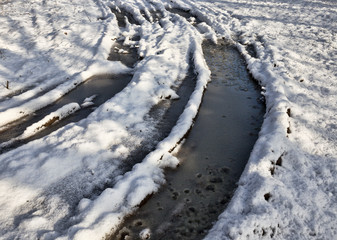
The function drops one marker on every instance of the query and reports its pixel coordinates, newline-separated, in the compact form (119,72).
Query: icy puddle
(72,107)
(213,156)
(81,102)
(78,103)
(165,116)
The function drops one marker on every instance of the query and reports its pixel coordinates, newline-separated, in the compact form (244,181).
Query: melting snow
(70,184)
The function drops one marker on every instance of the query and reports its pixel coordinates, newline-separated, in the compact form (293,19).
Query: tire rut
(213,155)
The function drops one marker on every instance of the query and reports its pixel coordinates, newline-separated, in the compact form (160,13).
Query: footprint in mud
(153,16)
(123,17)
(251,50)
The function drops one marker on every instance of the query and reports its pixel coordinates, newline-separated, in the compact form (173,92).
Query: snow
(70,184)
(48,120)
(87,102)
(145,234)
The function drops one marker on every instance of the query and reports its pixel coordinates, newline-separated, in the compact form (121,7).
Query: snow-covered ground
(70,184)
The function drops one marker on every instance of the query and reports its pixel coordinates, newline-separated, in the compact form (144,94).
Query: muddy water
(213,155)
(164,116)
(103,87)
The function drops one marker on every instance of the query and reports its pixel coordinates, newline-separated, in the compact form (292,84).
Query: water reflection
(213,156)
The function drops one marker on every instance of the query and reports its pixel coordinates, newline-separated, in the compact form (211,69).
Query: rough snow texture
(68,184)
(56,187)
(288,189)
(47,121)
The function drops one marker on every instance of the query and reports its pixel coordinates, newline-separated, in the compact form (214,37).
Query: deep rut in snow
(102,87)
(213,155)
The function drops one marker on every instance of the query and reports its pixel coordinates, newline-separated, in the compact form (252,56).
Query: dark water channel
(213,155)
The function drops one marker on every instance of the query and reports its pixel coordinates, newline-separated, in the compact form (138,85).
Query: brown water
(213,155)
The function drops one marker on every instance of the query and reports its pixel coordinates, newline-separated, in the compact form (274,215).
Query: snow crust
(71,185)
(48,120)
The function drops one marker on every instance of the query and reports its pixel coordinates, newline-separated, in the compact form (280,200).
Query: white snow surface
(48,120)
(71,184)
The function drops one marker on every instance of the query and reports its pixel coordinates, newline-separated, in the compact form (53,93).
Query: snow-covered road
(70,184)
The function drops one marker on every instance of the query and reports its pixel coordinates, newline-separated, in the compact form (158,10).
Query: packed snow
(48,120)
(71,184)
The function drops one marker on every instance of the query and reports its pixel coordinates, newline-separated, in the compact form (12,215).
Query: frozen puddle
(86,96)
(78,103)
(213,155)
(72,107)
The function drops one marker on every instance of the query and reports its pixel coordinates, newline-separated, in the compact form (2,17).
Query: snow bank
(47,121)
(51,118)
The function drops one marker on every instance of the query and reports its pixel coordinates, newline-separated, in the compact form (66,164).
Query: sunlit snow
(72,183)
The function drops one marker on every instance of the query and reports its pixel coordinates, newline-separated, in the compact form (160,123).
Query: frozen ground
(70,184)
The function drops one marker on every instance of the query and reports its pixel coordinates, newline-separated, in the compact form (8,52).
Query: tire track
(213,154)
